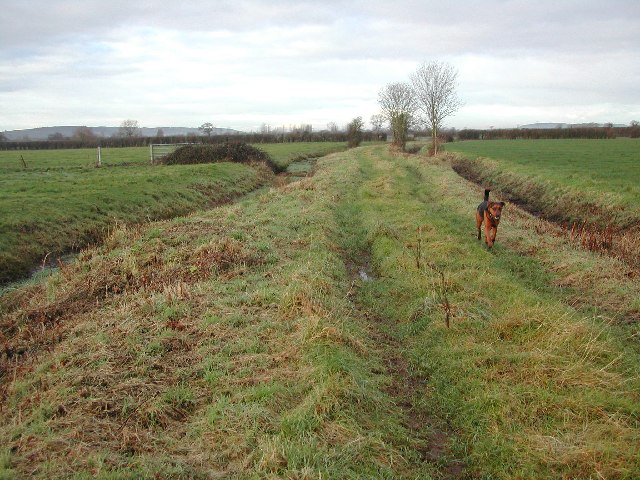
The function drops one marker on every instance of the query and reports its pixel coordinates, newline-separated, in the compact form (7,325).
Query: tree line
(632,131)
(139,141)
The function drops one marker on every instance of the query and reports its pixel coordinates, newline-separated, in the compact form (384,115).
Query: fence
(159,150)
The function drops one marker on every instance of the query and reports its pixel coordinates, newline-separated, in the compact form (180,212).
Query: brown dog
(489,213)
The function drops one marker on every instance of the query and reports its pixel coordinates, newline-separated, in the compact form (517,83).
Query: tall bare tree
(434,87)
(129,128)
(398,107)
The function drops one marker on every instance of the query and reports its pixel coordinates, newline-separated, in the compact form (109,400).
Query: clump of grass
(236,152)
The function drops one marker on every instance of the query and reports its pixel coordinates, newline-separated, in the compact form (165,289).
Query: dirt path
(430,436)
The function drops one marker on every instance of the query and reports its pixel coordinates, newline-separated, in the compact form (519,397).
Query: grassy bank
(284,154)
(50,212)
(300,333)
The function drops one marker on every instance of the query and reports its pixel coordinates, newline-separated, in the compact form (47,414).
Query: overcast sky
(243,63)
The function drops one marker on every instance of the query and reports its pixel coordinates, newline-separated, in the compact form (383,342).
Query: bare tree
(434,86)
(206,128)
(129,128)
(398,107)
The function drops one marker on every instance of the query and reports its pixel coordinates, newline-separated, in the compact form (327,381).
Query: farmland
(55,200)
(301,332)
(563,178)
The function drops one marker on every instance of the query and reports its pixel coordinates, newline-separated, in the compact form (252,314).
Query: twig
(44,260)
(445,304)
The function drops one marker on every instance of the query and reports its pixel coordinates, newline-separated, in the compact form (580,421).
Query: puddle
(300,169)
(364,276)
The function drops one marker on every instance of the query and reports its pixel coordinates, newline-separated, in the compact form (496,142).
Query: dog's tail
(486,194)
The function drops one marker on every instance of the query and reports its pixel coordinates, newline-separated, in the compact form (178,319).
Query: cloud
(247,61)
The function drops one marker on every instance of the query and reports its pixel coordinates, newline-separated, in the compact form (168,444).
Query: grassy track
(533,387)
(246,342)
(571,180)
(60,201)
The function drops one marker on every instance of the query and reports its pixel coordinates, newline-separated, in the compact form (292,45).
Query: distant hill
(43,133)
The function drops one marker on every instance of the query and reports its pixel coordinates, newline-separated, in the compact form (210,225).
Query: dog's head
(495,210)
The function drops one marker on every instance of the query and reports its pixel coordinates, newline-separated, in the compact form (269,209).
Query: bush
(237,152)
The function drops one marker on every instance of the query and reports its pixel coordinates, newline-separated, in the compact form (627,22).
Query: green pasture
(12,160)
(583,173)
(285,154)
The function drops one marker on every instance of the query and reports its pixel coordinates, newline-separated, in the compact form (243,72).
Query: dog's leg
(487,235)
(479,224)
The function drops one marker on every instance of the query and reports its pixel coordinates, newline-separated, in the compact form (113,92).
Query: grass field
(61,202)
(10,160)
(300,333)
(569,179)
